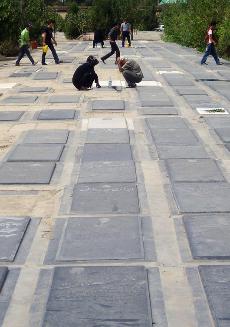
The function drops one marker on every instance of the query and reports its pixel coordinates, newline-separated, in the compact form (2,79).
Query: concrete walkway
(115,202)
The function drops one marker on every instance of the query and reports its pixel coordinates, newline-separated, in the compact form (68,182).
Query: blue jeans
(54,53)
(210,50)
(24,50)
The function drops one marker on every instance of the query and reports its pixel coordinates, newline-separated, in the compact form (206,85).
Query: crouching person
(85,75)
(131,71)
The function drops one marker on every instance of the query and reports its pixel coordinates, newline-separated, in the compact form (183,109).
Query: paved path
(114,203)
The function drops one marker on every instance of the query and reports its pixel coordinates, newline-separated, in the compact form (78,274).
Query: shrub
(9,48)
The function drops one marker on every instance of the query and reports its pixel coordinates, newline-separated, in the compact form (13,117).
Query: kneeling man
(131,71)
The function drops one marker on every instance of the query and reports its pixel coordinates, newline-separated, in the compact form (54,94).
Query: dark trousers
(210,51)
(114,48)
(54,53)
(125,35)
(24,50)
(96,42)
(131,78)
(85,81)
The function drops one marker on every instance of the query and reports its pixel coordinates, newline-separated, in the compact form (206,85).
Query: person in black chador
(113,34)
(48,39)
(98,38)
(85,75)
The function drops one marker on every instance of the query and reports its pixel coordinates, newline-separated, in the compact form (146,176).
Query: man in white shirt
(131,71)
(125,32)
(211,42)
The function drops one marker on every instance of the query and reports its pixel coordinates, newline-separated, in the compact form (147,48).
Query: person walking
(131,71)
(113,34)
(211,42)
(48,40)
(85,75)
(24,43)
(125,32)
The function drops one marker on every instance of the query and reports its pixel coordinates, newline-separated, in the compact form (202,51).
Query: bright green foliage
(187,22)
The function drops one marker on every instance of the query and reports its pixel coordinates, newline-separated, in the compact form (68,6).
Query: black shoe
(17,64)
(132,85)
(103,60)
(44,64)
(204,63)
(220,63)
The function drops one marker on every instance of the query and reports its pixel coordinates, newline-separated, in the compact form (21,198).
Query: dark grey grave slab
(12,231)
(223,133)
(20,99)
(65,98)
(186,90)
(36,89)
(182,152)
(158,111)
(36,152)
(26,172)
(105,135)
(10,115)
(197,98)
(174,136)
(166,122)
(202,197)
(101,239)
(46,136)
(98,296)
(208,236)
(227,146)
(21,74)
(216,284)
(107,171)
(179,82)
(218,122)
(53,114)
(108,105)
(111,198)
(156,103)
(46,75)
(107,152)
(194,170)
(3,275)
(67,80)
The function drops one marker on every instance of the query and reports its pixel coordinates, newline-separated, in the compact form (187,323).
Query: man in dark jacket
(48,39)
(113,34)
(85,75)
(211,42)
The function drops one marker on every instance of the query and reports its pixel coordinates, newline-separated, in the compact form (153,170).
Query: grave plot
(102,198)
(98,296)
(218,122)
(224,134)
(107,152)
(194,170)
(46,76)
(56,114)
(157,111)
(46,136)
(182,152)
(21,74)
(107,123)
(36,152)
(145,52)
(178,80)
(208,236)
(20,100)
(12,231)
(154,97)
(186,90)
(177,136)
(108,105)
(166,123)
(67,80)
(215,280)
(65,98)
(26,172)
(107,135)
(84,239)
(197,98)
(36,89)
(202,197)
(11,115)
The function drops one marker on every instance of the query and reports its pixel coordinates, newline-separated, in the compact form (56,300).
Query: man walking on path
(211,42)
(125,32)
(48,39)
(131,71)
(113,34)
(24,45)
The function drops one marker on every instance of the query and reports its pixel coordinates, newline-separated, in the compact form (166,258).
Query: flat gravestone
(3,275)
(156,102)
(98,296)
(20,99)
(107,152)
(101,239)
(218,122)
(46,136)
(216,284)
(202,197)
(111,198)
(12,232)
(67,80)
(223,133)
(107,135)
(158,111)
(174,136)
(36,152)
(65,98)
(21,74)
(197,98)
(26,172)
(182,152)
(107,171)
(194,170)
(166,122)
(37,89)
(227,146)
(186,90)
(56,114)
(179,81)
(10,115)
(46,76)
(208,236)
(108,105)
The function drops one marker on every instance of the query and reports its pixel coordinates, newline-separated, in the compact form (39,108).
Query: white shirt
(125,27)
(209,36)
